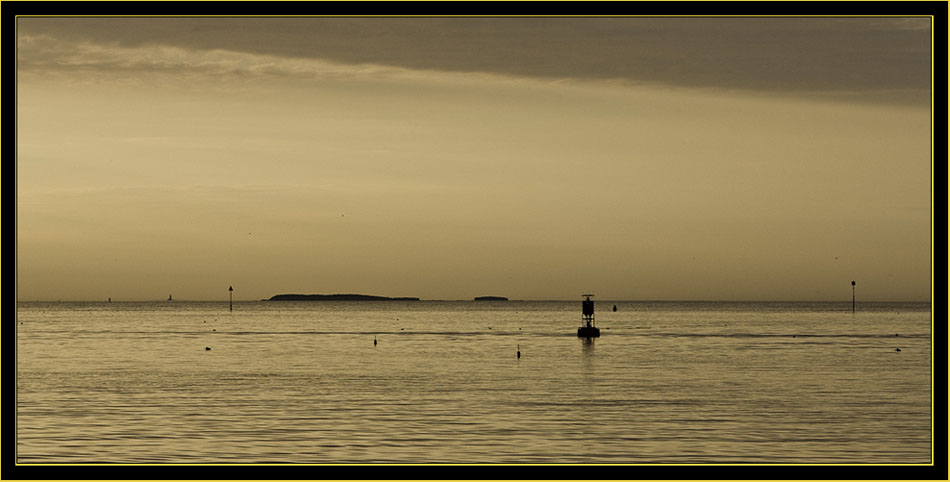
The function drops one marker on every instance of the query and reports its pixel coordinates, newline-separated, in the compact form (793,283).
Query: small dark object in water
(374,341)
(897,334)
(898,349)
(214,329)
(207,348)
(615,307)
(519,351)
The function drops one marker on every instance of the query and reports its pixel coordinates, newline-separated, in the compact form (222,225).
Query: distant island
(490,298)
(339,297)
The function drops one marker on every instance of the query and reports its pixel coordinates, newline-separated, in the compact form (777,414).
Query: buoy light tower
(588,329)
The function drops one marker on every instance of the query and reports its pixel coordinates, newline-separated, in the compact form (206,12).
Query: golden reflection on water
(666,384)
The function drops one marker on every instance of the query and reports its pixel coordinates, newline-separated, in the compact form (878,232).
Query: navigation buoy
(588,330)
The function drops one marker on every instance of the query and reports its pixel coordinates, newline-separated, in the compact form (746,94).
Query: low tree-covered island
(337,297)
(490,298)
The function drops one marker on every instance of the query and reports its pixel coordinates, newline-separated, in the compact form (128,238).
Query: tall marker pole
(852,297)
(230,298)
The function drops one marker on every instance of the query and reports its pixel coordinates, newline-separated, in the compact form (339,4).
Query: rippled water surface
(303,382)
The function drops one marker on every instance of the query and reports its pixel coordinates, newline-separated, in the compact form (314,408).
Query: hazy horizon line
(185,300)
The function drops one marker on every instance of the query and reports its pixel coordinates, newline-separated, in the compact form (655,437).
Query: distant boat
(169,297)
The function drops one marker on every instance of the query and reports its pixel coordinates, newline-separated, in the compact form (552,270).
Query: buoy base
(588,331)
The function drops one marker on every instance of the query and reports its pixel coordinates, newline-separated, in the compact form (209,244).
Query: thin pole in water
(852,296)
(230,298)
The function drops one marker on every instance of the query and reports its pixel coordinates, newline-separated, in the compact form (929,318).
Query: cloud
(44,59)
(48,56)
(884,58)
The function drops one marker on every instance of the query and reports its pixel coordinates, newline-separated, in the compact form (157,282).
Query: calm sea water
(667,382)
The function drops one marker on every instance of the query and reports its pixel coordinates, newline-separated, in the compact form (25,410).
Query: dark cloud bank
(868,59)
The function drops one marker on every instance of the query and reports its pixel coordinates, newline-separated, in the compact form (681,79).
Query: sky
(636,158)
